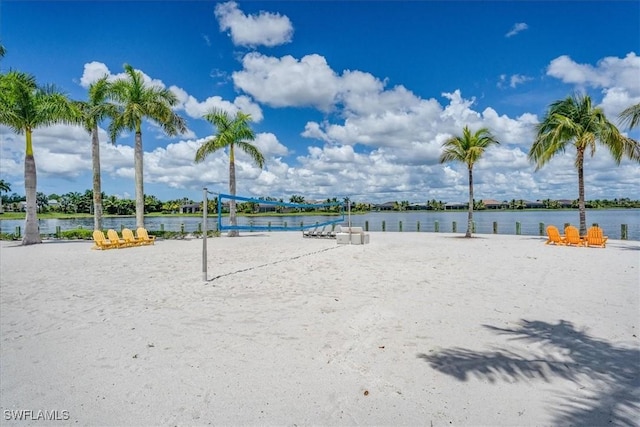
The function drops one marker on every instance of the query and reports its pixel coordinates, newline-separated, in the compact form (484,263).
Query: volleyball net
(254,214)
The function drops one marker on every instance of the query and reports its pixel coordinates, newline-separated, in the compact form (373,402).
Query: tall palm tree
(138,102)
(574,121)
(468,149)
(5,187)
(94,110)
(25,106)
(3,51)
(231,132)
(630,116)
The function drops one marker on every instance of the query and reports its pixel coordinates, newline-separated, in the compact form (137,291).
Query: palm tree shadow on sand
(613,371)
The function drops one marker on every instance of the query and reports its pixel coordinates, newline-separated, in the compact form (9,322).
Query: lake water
(610,220)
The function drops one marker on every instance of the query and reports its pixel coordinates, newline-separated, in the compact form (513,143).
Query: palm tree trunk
(470,220)
(31,232)
(138,177)
(232,190)
(97,192)
(581,207)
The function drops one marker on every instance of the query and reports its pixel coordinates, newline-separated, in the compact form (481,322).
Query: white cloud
(616,77)
(263,29)
(379,143)
(513,81)
(607,73)
(93,71)
(518,27)
(287,82)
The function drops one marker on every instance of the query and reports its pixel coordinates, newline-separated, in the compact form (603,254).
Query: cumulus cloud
(264,29)
(608,72)
(616,77)
(378,143)
(287,82)
(517,28)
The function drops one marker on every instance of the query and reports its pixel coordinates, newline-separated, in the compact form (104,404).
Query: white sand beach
(412,329)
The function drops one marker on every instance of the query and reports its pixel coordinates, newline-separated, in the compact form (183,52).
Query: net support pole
(204,234)
(349,213)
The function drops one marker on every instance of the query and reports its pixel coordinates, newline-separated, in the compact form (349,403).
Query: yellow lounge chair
(572,236)
(130,239)
(115,239)
(554,236)
(101,241)
(595,237)
(143,236)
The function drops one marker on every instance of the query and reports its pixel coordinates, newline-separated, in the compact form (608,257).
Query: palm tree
(94,110)
(3,51)
(230,133)
(5,187)
(468,149)
(138,102)
(574,121)
(630,116)
(24,106)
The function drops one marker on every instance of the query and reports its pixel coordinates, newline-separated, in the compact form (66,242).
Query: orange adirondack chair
(572,236)
(596,237)
(554,236)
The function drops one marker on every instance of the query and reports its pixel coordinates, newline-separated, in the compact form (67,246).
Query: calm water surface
(610,220)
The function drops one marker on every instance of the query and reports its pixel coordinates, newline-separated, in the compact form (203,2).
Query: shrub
(77,234)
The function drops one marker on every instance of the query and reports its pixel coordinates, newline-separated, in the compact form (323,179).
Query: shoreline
(318,213)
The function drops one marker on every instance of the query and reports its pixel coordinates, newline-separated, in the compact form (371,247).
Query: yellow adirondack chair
(554,236)
(572,236)
(115,239)
(131,240)
(143,236)
(101,241)
(596,237)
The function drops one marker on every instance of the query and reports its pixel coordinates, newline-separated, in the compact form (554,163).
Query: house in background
(494,204)
(529,204)
(451,206)
(386,206)
(190,208)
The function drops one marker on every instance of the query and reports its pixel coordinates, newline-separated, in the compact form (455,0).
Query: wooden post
(454,227)
(541,228)
(495,227)
(518,228)
(436,227)
(418,226)
(400,226)
(384,226)
(623,232)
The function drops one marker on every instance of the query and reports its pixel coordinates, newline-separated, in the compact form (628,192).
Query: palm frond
(630,116)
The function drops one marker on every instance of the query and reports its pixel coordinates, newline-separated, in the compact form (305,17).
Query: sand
(411,329)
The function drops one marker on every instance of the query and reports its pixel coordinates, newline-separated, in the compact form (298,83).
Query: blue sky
(349,98)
